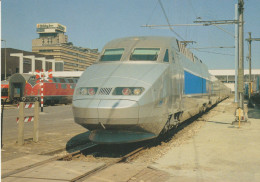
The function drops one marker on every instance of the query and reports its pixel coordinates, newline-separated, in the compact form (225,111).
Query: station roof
(232,72)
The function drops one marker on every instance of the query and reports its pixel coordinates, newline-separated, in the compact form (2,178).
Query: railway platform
(220,151)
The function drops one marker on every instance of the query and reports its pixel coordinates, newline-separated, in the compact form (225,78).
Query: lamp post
(5,56)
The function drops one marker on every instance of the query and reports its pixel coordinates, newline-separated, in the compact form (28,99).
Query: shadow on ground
(254,112)
(80,139)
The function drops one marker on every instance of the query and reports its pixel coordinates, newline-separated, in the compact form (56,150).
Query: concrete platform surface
(20,162)
(220,151)
(57,170)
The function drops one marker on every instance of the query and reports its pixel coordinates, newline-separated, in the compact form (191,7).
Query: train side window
(166,56)
(57,86)
(62,80)
(66,80)
(63,86)
(57,80)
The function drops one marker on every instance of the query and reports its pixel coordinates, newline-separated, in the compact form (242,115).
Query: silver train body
(140,87)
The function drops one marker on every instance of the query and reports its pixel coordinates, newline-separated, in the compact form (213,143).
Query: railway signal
(41,76)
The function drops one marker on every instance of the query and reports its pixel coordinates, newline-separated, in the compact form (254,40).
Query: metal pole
(5,56)
(5,60)
(36,122)
(2,120)
(241,56)
(21,124)
(236,51)
(41,84)
(249,66)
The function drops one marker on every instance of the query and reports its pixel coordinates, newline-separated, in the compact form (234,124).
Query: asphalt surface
(57,130)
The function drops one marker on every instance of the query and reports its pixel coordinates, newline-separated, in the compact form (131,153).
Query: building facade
(228,78)
(53,41)
(20,61)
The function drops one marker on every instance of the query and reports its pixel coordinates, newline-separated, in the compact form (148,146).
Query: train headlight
(91,91)
(87,91)
(126,91)
(83,91)
(135,91)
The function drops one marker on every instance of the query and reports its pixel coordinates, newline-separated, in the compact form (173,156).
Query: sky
(93,23)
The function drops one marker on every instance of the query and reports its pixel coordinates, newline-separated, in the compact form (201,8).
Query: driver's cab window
(145,54)
(166,56)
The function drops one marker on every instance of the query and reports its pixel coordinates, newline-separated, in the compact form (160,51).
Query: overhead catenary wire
(166,17)
(215,52)
(193,10)
(149,19)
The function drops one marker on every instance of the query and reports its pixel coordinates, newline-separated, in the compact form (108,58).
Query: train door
(16,91)
(175,81)
(179,80)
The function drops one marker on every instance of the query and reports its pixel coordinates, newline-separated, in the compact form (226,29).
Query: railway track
(125,158)
(70,155)
(93,149)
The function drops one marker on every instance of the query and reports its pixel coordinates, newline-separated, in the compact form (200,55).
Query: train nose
(105,112)
(118,112)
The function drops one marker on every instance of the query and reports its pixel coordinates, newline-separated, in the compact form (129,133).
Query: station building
(228,78)
(20,61)
(52,41)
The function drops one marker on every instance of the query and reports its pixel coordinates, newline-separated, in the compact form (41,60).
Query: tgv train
(141,87)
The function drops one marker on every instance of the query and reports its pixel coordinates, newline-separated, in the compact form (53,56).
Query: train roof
(143,41)
(17,77)
(71,74)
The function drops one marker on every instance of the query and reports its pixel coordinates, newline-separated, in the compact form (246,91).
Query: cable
(216,53)
(152,13)
(193,9)
(168,20)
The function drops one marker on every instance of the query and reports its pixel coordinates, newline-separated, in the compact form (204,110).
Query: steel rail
(105,166)
(67,156)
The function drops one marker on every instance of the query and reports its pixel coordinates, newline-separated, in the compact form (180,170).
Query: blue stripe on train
(194,84)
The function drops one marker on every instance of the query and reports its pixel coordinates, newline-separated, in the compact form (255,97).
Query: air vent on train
(105,91)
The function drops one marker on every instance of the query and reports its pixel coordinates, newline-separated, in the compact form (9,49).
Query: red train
(56,90)
(4,91)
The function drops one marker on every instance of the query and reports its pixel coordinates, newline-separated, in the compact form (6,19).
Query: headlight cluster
(128,91)
(134,91)
(87,90)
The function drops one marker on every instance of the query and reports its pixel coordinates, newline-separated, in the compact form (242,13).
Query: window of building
(46,50)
